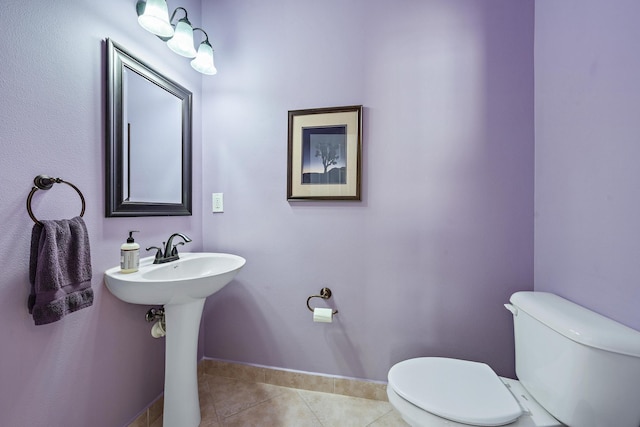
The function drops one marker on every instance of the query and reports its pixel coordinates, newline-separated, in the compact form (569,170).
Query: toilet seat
(458,390)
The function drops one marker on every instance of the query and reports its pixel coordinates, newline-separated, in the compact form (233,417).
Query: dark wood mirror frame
(116,205)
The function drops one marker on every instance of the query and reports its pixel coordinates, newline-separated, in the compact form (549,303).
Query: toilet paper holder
(325,293)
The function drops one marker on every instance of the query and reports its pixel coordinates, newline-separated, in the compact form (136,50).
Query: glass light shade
(155,18)
(182,40)
(204,61)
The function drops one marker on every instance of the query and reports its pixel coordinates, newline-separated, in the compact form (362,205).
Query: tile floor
(245,399)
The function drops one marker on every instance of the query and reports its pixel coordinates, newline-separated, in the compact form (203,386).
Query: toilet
(574,367)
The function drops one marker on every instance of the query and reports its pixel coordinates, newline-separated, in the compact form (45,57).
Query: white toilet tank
(580,366)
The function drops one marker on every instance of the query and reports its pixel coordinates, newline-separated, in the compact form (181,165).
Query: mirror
(148,159)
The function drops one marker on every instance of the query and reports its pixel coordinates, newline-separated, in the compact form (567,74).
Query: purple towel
(59,269)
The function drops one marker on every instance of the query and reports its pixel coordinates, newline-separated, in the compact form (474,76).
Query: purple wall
(444,233)
(587,189)
(98,366)
(421,266)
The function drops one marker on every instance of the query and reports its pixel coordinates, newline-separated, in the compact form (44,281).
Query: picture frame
(324,157)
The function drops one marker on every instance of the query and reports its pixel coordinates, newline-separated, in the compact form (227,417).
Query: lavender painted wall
(587,188)
(444,233)
(98,366)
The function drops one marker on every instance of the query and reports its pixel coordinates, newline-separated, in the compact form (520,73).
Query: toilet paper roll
(157,331)
(324,315)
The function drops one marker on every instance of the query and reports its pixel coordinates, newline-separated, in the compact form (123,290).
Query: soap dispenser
(130,255)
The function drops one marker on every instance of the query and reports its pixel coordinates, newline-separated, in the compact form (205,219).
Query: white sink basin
(193,276)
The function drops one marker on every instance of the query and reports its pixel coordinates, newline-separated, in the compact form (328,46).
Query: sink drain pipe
(158,330)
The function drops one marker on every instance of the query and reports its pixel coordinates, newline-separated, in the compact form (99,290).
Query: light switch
(217,202)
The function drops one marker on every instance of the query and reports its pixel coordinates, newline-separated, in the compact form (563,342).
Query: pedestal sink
(182,287)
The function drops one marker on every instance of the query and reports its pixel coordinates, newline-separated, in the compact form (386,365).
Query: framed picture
(324,155)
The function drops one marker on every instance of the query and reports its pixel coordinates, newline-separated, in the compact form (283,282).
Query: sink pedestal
(181,402)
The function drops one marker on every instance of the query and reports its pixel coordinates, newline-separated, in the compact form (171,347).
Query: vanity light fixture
(182,40)
(153,16)
(203,62)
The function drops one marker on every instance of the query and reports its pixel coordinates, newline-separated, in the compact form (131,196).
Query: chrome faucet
(170,250)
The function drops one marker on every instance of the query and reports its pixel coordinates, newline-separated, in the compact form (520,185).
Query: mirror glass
(148,140)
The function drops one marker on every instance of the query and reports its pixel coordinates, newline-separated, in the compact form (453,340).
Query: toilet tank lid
(578,323)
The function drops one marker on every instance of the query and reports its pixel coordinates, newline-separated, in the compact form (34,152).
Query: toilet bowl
(575,367)
(433,392)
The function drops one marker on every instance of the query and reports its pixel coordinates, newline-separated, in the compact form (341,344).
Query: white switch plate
(217,202)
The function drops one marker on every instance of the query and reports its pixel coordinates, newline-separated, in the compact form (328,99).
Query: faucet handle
(174,250)
(158,251)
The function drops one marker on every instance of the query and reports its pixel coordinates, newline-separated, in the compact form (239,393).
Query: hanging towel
(59,269)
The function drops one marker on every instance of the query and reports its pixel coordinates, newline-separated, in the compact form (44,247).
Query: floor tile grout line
(308,406)
(221,419)
(380,417)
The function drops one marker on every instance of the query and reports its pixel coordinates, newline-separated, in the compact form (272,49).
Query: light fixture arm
(173,15)
(206,36)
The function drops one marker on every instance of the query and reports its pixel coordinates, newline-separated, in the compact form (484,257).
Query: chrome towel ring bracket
(44,182)
(325,293)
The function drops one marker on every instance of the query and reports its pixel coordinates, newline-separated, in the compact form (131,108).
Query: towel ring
(325,293)
(44,182)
